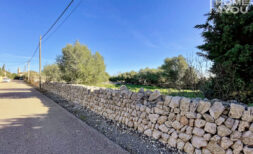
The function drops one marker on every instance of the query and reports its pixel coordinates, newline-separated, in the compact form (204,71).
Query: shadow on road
(32,123)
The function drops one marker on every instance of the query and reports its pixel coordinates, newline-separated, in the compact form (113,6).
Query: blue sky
(129,34)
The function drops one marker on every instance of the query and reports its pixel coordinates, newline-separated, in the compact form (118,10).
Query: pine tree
(228,42)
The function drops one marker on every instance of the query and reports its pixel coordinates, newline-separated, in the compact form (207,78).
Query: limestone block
(247,138)
(153,117)
(156,134)
(154,95)
(185,104)
(161,119)
(198,131)
(200,123)
(248,150)
(176,125)
(236,111)
(198,142)
(148,132)
(223,131)
(203,106)
(248,115)
(167,100)
(215,148)
(175,102)
(210,128)
(184,137)
(188,148)
(226,142)
(163,128)
(216,110)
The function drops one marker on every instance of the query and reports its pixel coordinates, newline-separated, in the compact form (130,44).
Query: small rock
(200,123)
(177,125)
(236,111)
(180,144)
(185,104)
(184,137)
(207,137)
(237,147)
(194,105)
(248,115)
(248,150)
(243,125)
(158,110)
(153,117)
(156,134)
(251,127)
(154,95)
(168,123)
(191,115)
(210,128)
(229,151)
(216,109)
(191,122)
(174,135)
(172,142)
(198,131)
(215,148)
(229,122)
(163,128)
(148,132)
(141,90)
(216,139)
(165,136)
(189,130)
(167,100)
(219,121)
(175,101)
(183,120)
(188,148)
(226,143)
(235,125)
(236,135)
(203,106)
(171,116)
(198,142)
(206,151)
(208,118)
(123,87)
(140,129)
(197,151)
(223,131)
(161,119)
(247,138)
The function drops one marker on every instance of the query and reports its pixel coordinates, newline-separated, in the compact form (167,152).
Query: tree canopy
(228,42)
(173,73)
(78,65)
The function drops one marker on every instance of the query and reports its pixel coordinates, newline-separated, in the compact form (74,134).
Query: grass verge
(165,91)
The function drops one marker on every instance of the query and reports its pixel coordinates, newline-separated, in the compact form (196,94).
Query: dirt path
(32,123)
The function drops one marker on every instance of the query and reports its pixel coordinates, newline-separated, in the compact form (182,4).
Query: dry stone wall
(191,125)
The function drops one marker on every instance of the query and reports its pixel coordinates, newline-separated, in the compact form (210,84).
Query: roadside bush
(52,72)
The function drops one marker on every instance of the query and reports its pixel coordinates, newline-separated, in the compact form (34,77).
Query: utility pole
(40,63)
(28,67)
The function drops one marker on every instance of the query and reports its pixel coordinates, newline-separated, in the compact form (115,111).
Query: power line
(57,19)
(66,18)
(50,28)
(35,51)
